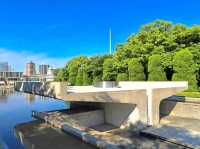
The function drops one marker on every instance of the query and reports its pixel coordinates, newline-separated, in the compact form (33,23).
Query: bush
(122,77)
(79,77)
(86,79)
(155,69)
(109,70)
(184,68)
(73,70)
(135,70)
(97,79)
(60,75)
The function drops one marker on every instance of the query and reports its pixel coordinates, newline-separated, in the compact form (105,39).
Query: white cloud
(18,60)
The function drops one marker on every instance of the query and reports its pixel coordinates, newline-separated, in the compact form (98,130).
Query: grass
(193,94)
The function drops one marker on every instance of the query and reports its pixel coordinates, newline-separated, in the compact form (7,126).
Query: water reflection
(16,108)
(4,93)
(30,98)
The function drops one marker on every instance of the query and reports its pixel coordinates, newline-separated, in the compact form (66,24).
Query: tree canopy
(155,47)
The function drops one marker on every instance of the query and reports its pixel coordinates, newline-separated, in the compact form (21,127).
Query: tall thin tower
(110,37)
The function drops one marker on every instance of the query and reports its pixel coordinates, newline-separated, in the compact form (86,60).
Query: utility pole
(110,37)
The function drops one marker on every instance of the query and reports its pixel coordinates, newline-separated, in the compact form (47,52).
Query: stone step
(176,135)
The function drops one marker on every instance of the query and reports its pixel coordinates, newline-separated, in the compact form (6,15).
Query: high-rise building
(43,69)
(30,69)
(4,66)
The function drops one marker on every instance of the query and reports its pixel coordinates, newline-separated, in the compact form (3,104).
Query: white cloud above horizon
(18,60)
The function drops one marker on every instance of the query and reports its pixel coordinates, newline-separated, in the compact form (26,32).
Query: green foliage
(86,78)
(61,75)
(185,68)
(155,70)
(109,70)
(189,94)
(136,70)
(79,77)
(97,79)
(73,67)
(95,68)
(154,47)
(73,70)
(122,77)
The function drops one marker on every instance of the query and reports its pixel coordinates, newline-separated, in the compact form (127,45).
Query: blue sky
(54,31)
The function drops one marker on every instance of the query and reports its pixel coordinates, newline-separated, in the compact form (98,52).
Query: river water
(16,108)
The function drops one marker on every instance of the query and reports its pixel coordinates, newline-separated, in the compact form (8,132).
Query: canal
(16,108)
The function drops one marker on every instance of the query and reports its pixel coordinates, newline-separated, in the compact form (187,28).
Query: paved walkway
(187,123)
(178,135)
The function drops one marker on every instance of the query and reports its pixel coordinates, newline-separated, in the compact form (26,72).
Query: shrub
(86,79)
(97,79)
(135,70)
(122,77)
(79,77)
(73,70)
(155,69)
(109,70)
(184,68)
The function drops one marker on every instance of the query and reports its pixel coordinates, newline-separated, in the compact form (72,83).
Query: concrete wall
(180,109)
(50,89)
(158,95)
(121,115)
(118,114)
(89,119)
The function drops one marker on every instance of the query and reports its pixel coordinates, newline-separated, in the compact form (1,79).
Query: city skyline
(6,67)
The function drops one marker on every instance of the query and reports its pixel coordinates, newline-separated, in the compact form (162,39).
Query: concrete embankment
(39,135)
(180,122)
(111,138)
(184,107)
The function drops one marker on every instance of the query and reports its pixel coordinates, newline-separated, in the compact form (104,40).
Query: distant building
(43,69)
(10,75)
(30,69)
(4,66)
(50,74)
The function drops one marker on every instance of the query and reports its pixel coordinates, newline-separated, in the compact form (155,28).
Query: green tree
(161,38)
(135,70)
(185,68)
(95,67)
(155,69)
(73,70)
(60,75)
(73,67)
(122,77)
(109,71)
(79,77)
(86,78)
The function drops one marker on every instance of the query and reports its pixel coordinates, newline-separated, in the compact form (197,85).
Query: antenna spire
(110,36)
